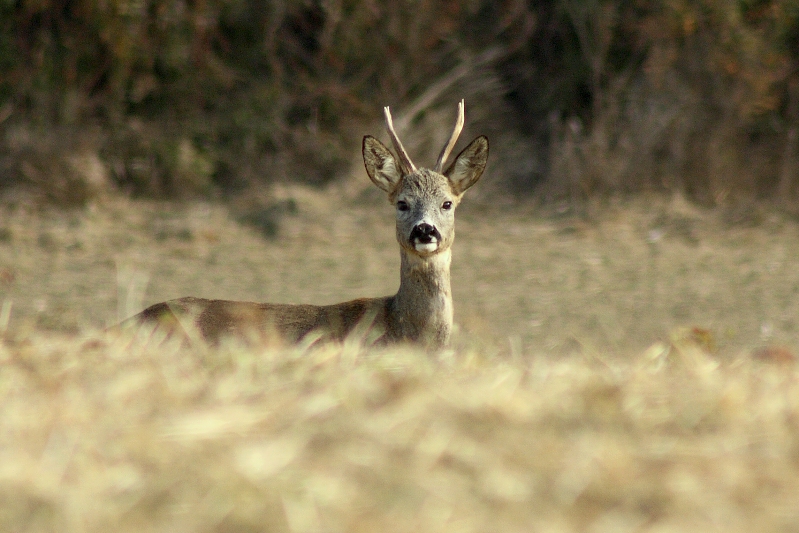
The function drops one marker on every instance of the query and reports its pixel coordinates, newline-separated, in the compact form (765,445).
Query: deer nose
(425,233)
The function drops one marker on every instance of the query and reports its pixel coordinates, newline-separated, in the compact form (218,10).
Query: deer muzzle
(425,237)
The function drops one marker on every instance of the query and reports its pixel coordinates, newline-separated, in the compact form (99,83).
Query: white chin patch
(426,246)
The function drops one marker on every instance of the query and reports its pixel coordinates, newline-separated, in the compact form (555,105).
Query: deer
(421,312)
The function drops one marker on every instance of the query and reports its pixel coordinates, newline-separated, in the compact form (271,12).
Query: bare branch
(452,140)
(406,165)
(445,83)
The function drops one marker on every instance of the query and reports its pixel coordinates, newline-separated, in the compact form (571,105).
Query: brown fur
(420,312)
(217,319)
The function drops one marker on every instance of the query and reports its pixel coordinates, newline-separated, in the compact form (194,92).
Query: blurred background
(643,177)
(210,98)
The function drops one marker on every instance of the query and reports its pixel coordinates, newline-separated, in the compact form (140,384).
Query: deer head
(425,199)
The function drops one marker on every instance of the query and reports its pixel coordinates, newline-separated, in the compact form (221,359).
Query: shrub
(579,97)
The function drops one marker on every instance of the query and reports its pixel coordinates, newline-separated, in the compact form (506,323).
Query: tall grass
(100,433)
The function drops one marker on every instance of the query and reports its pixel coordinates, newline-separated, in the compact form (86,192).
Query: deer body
(420,312)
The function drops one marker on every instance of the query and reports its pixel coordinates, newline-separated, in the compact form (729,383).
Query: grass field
(629,369)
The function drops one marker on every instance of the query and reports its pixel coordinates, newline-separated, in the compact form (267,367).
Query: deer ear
(469,165)
(380,164)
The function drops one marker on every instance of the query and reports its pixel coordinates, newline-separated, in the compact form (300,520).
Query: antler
(406,165)
(452,140)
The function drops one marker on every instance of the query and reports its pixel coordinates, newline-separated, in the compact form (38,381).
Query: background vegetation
(580,97)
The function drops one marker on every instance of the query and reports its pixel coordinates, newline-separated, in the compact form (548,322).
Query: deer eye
(402,205)
(446,206)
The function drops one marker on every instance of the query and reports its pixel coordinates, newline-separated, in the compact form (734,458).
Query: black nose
(425,233)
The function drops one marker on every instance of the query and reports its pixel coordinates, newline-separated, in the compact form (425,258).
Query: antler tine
(452,140)
(406,165)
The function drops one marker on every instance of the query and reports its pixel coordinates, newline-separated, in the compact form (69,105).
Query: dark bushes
(580,97)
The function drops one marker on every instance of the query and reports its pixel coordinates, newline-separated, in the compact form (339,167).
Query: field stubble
(605,377)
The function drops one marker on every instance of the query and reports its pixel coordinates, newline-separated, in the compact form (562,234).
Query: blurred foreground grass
(100,434)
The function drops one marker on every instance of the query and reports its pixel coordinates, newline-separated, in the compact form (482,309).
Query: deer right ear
(469,165)
(380,164)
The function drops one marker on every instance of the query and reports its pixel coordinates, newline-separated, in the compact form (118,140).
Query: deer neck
(423,304)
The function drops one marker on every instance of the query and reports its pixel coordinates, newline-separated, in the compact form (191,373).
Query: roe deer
(420,312)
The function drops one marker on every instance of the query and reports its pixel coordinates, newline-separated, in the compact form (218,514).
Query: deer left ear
(380,164)
(468,166)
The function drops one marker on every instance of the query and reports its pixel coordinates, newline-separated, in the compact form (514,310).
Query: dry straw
(100,434)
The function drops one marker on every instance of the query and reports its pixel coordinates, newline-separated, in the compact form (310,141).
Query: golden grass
(616,372)
(617,279)
(100,435)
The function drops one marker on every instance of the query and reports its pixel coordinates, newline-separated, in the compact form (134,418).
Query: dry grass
(619,277)
(605,377)
(96,435)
